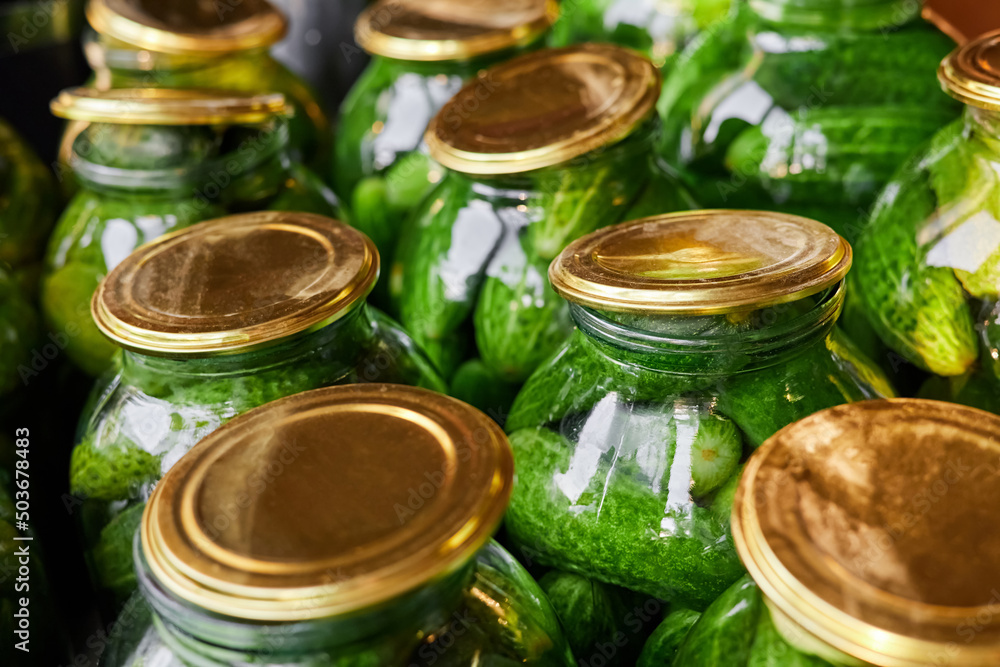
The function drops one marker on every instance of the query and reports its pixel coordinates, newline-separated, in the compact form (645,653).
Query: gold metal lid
(189,26)
(971,73)
(234,283)
(701,262)
(328,502)
(162,106)
(874,528)
(435,30)
(544,108)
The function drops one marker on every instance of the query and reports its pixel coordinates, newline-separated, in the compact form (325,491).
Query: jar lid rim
(701,263)
(168,106)
(444,30)
(971,73)
(343,535)
(262,277)
(820,521)
(543,109)
(234,26)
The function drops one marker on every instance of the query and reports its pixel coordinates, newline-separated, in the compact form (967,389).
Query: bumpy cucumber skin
(604,440)
(815,130)
(610,534)
(918,310)
(736,630)
(470,275)
(764,401)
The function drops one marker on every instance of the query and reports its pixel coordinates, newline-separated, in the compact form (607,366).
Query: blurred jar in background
(423,51)
(804,106)
(538,151)
(152,161)
(659,29)
(187,44)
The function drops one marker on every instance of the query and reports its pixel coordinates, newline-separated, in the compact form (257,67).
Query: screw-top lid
(162,106)
(436,30)
(328,502)
(189,26)
(971,73)
(873,528)
(235,283)
(544,108)
(701,262)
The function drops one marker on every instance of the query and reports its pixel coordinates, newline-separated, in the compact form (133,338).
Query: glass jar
(804,106)
(371,548)
(930,256)
(422,54)
(190,44)
(18,333)
(214,320)
(151,162)
(869,534)
(28,200)
(540,151)
(658,29)
(698,336)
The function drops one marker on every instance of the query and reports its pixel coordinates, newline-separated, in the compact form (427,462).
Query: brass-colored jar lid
(190,27)
(328,502)
(436,30)
(234,283)
(971,73)
(873,528)
(701,262)
(163,106)
(544,108)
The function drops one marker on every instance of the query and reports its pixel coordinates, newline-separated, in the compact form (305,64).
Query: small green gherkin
(112,471)
(736,630)
(662,645)
(910,259)
(111,557)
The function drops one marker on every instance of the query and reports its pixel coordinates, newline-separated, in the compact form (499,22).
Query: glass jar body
(658,29)
(118,65)
(627,457)
(471,276)
(739,626)
(147,412)
(124,201)
(810,118)
(28,200)
(382,169)
(499,617)
(930,262)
